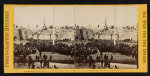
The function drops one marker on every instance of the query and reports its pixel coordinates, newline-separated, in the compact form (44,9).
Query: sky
(80,15)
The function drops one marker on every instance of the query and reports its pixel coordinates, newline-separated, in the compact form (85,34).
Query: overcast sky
(84,15)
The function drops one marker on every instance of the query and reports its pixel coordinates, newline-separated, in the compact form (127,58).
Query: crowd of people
(79,51)
(103,60)
(44,61)
(76,49)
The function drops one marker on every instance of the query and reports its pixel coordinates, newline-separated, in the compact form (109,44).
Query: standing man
(111,59)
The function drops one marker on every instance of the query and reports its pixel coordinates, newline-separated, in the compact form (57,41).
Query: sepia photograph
(75,37)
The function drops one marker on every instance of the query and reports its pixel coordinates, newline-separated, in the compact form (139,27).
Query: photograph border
(142,43)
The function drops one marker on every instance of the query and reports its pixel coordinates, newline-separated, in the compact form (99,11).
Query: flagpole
(74,33)
(74,16)
(44,21)
(114,25)
(74,21)
(53,24)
